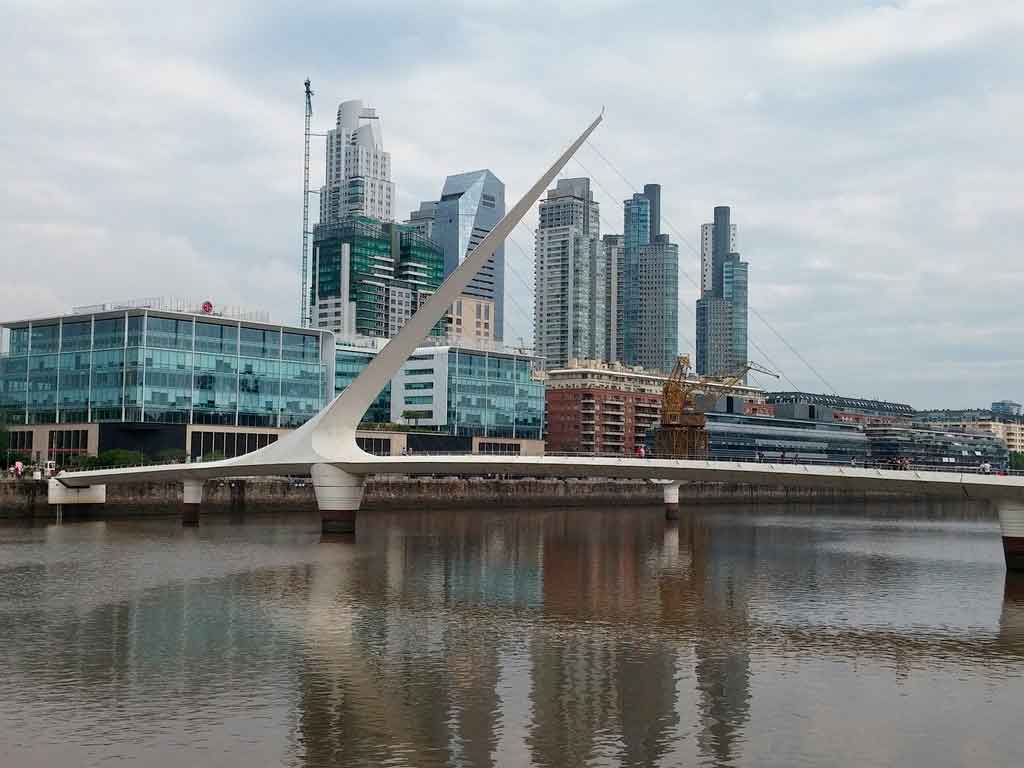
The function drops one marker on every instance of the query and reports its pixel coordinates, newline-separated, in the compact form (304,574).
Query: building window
(378,446)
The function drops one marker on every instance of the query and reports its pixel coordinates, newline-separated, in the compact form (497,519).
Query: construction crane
(304,311)
(685,401)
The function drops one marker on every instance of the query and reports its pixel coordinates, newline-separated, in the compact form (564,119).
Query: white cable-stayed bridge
(325,447)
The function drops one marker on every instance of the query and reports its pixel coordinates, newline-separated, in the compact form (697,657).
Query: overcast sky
(871,153)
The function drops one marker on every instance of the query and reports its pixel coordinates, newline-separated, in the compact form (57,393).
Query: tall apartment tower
(722,308)
(707,233)
(570,279)
(471,205)
(648,332)
(612,252)
(358,172)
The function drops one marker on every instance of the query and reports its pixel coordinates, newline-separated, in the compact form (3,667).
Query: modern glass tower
(648,332)
(636,232)
(370,276)
(470,205)
(722,308)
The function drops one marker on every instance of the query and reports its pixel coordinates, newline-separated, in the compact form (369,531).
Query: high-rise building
(370,276)
(470,205)
(472,321)
(636,229)
(358,171)
(653,194)
(422,220)
(647,332)
(569,280)
(656,344)
(722,308)
(612,250)
(707,234)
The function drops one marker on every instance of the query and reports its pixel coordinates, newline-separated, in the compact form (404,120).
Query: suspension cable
(685,241)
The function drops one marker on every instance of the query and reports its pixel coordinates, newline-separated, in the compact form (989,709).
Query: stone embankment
(27,498)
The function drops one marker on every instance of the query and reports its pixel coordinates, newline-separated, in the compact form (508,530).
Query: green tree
(119,458)
(1017,461)
(411,416)
(171,456)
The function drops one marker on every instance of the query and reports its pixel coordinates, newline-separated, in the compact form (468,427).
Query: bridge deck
(966,485)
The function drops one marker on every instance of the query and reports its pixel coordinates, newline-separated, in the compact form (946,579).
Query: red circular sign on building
(207,307)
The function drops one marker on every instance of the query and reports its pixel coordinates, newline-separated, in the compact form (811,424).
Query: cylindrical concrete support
(1011,521)
(671,491)
(192,497)
(338,496)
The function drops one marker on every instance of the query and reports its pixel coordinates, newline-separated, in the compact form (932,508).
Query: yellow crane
(684,402)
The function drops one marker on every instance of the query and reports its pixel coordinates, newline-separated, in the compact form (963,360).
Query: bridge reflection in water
(557,638)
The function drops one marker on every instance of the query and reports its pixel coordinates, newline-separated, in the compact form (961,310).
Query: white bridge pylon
(325,446)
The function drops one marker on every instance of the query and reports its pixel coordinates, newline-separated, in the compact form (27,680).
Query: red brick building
(593,407)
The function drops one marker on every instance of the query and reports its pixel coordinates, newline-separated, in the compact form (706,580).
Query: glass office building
(471,392)
(735,436)
(154,368)
(935,448)
(164,382)
(350,359)
(370,276)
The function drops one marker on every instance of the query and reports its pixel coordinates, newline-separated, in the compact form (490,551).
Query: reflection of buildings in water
(721,577)
(417,678)
(601,691)
(723,681)
(1011,619)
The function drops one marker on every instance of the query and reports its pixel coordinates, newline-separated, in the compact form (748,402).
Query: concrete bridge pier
(192,498)
(671,493)
(1011,521)
(338,496)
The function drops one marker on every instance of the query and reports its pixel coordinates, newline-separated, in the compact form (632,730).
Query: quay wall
(27,498)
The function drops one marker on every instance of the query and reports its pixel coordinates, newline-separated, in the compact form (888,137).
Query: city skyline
(191,167)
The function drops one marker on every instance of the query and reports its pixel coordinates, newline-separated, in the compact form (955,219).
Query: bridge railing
(718,458)
(745,458)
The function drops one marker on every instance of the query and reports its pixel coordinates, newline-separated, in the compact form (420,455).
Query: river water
(864,636)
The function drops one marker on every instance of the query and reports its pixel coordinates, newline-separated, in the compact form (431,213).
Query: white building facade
(358,170)
(463,390)
(569,276)
(707,237)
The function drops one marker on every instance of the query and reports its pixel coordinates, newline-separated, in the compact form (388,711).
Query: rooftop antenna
(304,311)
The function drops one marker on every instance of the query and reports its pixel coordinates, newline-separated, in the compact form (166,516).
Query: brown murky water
(803,636)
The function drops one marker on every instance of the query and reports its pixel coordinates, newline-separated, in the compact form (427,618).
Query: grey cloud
(868,151)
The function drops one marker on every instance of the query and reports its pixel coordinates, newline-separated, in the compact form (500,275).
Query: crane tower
(304,318)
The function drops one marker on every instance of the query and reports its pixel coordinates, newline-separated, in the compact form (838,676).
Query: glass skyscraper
(370,276)
(648,284)
(636,232)
(471,205)
(722,308)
